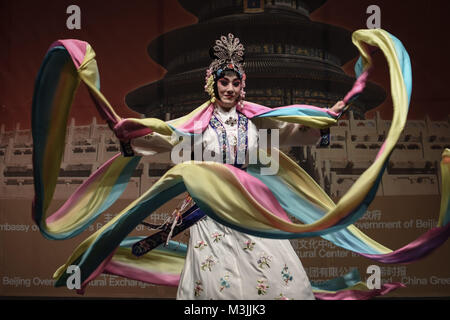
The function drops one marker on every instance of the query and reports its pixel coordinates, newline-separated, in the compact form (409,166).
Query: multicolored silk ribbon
(256,204)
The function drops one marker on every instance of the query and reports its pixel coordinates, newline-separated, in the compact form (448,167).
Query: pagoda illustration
(289,58)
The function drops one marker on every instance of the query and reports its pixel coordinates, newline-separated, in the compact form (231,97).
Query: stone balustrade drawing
(413,168)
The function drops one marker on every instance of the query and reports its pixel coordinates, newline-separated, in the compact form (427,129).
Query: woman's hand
(337,108)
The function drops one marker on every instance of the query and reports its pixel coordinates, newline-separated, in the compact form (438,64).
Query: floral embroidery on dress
(224,282)
(201,245)
(249,245)
(208,263)
(262,286)
(264,260)
(286,275)
(198,288)
(282,297)
(217,236)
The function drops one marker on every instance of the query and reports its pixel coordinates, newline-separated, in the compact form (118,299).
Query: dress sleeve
(152,144)
(291,134)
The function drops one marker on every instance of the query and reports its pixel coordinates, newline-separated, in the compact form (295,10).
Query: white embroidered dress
(222,263)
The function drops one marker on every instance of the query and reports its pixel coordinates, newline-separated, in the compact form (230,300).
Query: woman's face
(229,88)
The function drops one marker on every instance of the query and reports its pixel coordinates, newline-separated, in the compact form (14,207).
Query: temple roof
(211,9)
(287,58)
(251,29)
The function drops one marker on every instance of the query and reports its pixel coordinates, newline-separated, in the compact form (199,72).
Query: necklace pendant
(231,122)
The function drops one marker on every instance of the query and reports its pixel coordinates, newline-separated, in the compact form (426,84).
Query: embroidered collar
(241,145)
(228,117)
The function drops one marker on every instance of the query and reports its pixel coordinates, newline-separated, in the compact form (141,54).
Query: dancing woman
(223,263)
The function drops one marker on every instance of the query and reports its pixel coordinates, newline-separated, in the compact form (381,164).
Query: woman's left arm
(295,134)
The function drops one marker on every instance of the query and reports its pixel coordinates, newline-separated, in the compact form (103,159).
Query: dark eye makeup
(224,83)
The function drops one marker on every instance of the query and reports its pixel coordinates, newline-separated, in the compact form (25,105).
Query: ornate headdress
(228,54)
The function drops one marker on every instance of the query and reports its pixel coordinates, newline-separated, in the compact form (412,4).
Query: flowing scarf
(257,204)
